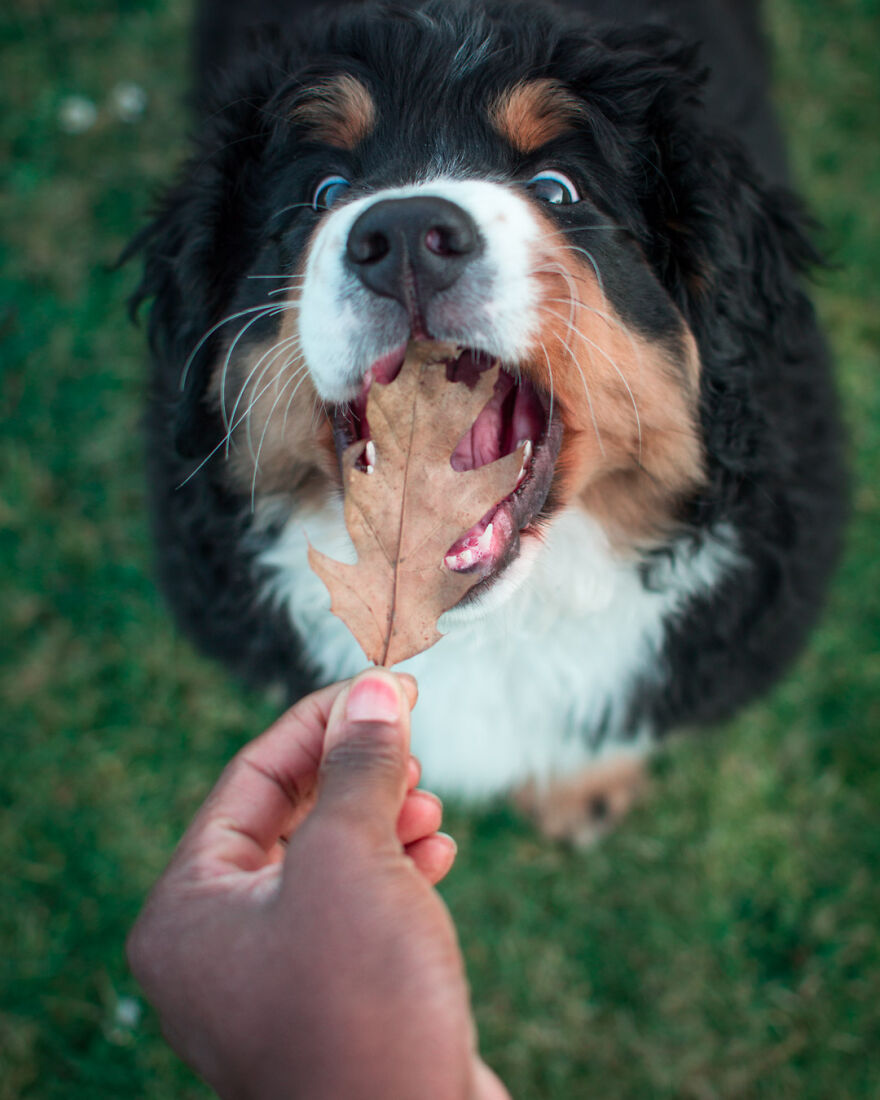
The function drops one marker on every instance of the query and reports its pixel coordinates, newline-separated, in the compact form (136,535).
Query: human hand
(295,945)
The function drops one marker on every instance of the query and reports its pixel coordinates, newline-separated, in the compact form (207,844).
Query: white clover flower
(76,114)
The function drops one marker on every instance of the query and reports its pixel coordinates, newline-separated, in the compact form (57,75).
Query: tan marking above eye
(534,112)
(339,112)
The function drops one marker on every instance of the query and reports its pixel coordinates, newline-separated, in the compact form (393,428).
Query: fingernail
(449,838)
(373,700)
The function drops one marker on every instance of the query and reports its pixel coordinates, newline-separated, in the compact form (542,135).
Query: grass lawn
(723,943)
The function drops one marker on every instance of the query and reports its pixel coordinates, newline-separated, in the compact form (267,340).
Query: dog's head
(535,192)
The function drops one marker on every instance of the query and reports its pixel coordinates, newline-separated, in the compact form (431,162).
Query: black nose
(410,249)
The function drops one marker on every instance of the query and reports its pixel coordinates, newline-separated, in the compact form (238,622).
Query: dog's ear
(194,252)
(714,226)
(727,243)
(726,240)
(174,278)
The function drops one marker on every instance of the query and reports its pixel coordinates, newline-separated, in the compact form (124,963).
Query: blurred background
(723,943)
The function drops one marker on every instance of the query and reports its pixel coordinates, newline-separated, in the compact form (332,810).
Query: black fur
(687,163)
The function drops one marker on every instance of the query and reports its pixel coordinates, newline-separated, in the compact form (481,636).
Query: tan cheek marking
(631,447)
(534,112)
(339,112)
(279,418)
(286,436)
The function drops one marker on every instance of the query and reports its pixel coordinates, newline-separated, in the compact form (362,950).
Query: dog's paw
(580,809)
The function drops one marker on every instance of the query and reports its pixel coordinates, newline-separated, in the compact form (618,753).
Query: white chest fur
(515,690)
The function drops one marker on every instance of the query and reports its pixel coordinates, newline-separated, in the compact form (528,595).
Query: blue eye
(553,187)
(328,192)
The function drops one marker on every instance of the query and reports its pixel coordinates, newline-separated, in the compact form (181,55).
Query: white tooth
(526,444)
(369,469)
(484,542)
(464,559)
(456,561)
(477,547)
(370,455)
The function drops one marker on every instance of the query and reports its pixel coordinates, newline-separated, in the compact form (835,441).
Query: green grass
(722,944)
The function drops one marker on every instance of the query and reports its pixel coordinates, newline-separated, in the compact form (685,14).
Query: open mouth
(517,415)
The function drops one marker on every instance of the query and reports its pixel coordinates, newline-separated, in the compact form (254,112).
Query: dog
(596,197)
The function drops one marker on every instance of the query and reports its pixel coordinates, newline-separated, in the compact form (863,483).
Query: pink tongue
(485,442)
(511,415)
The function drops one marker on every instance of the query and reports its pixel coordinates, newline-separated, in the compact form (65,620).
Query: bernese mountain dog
(594,195)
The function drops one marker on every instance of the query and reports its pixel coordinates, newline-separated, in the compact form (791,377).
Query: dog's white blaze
(344,327)
(519,682)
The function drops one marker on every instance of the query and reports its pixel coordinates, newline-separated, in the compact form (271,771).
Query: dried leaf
(405,515)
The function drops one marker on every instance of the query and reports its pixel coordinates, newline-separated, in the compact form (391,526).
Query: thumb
(363,768)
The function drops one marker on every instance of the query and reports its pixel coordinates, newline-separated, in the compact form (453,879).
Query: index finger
(260,789)
(256,798)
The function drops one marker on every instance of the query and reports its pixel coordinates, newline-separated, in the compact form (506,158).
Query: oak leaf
(407,511)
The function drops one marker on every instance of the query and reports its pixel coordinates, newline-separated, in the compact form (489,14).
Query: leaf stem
(396,581)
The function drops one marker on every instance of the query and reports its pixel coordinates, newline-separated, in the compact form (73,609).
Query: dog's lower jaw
(492,598)
(534,686)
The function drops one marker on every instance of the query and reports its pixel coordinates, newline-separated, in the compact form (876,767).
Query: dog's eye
(329,191)
(553,187)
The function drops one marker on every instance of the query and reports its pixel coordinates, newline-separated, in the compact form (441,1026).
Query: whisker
(289,403)
(550,375)
(272,354)
(244,417)
(285,365)
(232,428)
(607,317)
(274,311)
(580,371)
(292,206)
(213,329)
(226,362)
(613,321)
(318,408)
(266,428)
(557,269)
(282,290)
(572,297)
(587,228)
(614,364)
(589,255)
